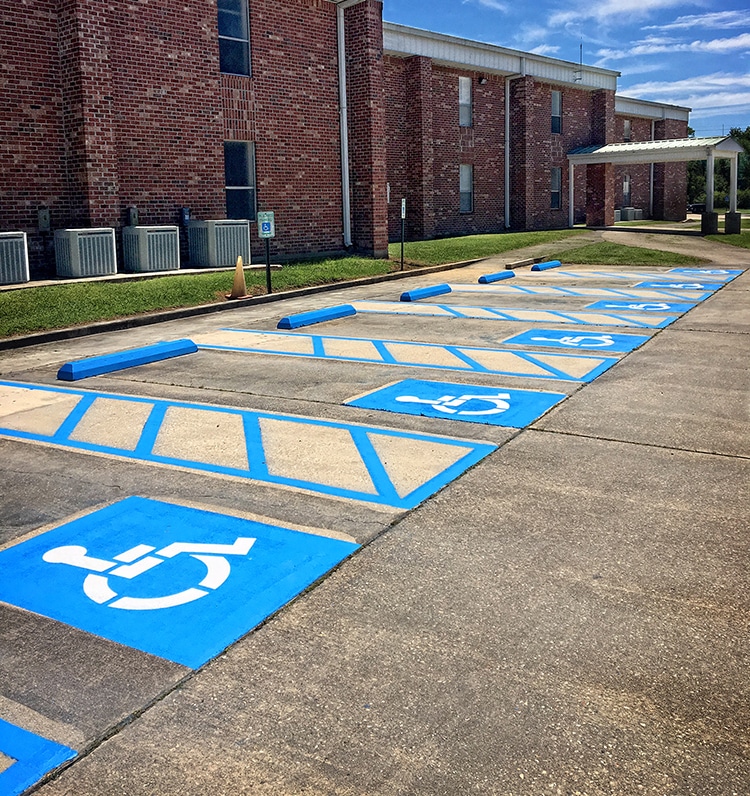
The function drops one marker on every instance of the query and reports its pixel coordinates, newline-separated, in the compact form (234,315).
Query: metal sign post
(266,231)
(403,230)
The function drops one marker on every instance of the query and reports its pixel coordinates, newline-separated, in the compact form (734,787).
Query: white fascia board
(403,41)
(629,106)
(670,151)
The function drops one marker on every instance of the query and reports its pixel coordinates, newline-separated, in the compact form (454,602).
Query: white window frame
(556,108)
(239,10)
(465,109)
(236,184)
(556,188)
(466,188)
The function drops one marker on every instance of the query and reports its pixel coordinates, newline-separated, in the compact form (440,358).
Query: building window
(556,189)
(464,101)
(557,111)
(627,132)
(466,187)
(239,176)
(626,191)
(234,37)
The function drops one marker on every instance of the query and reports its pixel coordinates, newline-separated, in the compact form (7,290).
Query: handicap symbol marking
(708,286)
(554,338)
(643,306)
(97,588)
(471,403)
(722,274)
(31,758)
(183,601)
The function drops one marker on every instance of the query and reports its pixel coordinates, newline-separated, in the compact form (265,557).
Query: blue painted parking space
(686,285)
(32,757)
(471,403)
(498,361)
(593,341)
(642,306)
(709,274)
(172,581)
(266,447)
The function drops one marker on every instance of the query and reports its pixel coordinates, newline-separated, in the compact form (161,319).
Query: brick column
(600,195)
(88,112)
(367,127)
(522,155)
(600,177)
(420,153)
(670,179)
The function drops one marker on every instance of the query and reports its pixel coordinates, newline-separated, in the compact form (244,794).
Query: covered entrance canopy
(667,151)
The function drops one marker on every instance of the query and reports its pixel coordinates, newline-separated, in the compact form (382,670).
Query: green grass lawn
(474,247)
(742,240)
(617,254)
(56,306)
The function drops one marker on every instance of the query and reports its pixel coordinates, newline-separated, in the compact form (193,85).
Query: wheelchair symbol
(138,560)
(449,404)
(579,341)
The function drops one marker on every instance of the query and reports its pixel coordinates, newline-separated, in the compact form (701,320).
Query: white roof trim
(667,151)
(629,106)
(403,41)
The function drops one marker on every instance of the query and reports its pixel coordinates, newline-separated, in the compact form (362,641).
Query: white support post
(733,163)
(571,195)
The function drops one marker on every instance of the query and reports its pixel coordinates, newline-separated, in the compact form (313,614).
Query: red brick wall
(367,126)
(289,108)
(32,145)
(397,108)
(670,179)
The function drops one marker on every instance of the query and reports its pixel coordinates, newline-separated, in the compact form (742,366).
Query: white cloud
(707,95)
(495,5)
(612,10)
(545,49)
(715,20)
(656,46)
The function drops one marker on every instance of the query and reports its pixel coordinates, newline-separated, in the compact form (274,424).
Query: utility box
(150,249)
(14,258)
(85,252)
(218,244)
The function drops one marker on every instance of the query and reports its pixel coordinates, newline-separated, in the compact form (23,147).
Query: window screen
(557,111)
(556,188)
(466,187)
(464,101)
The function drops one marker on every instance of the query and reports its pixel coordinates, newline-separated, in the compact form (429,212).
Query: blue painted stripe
(74,418)
(425,292)
(546,266)
(107,363)
(488,279)
(375,468)
(315,316)
(34,757)
(258,469)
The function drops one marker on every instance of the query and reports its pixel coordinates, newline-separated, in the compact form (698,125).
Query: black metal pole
(268,266)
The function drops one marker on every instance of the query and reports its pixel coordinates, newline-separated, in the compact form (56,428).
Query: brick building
(315,109)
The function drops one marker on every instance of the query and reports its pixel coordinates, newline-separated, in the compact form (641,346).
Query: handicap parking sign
(173,581)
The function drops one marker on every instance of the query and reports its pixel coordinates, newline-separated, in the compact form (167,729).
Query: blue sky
(685,52)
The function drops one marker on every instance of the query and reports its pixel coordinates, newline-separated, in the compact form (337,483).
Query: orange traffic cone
(239,286)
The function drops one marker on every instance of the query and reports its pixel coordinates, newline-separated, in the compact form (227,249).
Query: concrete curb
(118,324)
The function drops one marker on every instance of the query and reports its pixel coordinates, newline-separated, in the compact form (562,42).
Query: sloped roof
(669,150)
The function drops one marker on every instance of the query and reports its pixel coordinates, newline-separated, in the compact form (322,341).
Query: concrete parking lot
(495,552)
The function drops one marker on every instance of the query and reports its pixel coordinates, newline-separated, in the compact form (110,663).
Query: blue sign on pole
(172,581)
(471,403)
(584,341)
(641,306)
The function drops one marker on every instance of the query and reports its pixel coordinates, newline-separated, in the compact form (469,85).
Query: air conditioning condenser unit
(85,252)
(150,248)
(14,258)
(218,244)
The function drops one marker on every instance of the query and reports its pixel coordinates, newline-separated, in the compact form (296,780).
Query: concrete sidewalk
(568,617)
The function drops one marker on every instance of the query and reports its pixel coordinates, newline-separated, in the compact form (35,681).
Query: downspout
(344,126)
(506,175)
